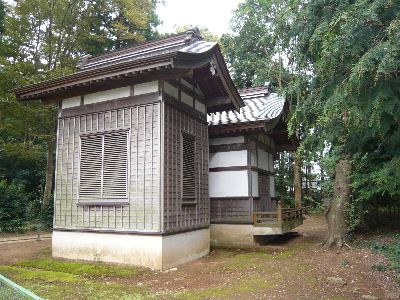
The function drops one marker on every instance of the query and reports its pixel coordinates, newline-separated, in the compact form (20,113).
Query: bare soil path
(292,267)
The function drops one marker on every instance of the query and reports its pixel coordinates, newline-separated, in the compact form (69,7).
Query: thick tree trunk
(336,215)
(48,188)
(297,180)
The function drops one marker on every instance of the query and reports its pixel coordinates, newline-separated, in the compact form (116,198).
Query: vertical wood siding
(179,217)
(231,210)
(265,202)
(143,211)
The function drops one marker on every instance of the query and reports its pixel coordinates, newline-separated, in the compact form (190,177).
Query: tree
(258,52)
(2,16)
(353,50)
(259,46)
(205,33)
(43,39)
(338,63)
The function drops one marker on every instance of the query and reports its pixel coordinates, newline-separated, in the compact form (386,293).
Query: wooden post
(297,180)
(279,213)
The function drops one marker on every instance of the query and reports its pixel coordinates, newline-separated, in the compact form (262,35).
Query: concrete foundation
(240,235)
(152,251)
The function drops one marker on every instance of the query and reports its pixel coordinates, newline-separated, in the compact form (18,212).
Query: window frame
(104,201)
(195,199)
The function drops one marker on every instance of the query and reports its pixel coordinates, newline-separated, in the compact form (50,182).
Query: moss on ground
(80,268)
(37,275)
(53,279)
(255,259)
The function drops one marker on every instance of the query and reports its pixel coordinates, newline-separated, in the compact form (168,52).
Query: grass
(80,268)
(253,260)
(38,275)
(389,249)
(56,279)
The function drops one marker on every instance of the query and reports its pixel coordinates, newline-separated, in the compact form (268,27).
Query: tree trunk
(336,215)
(297,180)
(48,188)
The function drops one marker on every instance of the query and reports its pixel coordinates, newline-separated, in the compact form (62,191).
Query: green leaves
(43,39)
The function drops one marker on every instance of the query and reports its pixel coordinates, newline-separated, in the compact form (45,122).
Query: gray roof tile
(260,105)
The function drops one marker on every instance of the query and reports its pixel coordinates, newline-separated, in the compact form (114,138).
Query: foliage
(2,16)
(79,268)
(13,201)
(353,48)
(284,178)
(391,250)
(205,33)
(41,40)
(257,49)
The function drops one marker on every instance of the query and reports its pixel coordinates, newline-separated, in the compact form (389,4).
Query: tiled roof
(187,42)
(260,105)
(175,55)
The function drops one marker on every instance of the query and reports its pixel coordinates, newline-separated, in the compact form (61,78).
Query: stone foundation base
(152,251)
(240,235)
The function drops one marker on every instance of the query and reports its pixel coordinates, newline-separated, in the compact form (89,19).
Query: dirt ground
(291,267)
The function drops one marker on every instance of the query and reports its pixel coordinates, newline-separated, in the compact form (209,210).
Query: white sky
(213,14)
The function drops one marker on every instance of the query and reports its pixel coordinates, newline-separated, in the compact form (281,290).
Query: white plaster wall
(145,88)
(200,107)
(152,251)
(271,162)
(187,84)
(263,159)
(184,247)
(253,158)
(231,235)
(187,99)
(198,91)
(228,159)
(71,102)
(228,184)
(134,249)
(239,235)
(171,90)
(272,186)
(107,95)
(227,140)
(254,183)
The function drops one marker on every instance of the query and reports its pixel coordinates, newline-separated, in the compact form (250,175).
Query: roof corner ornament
(193,33)
(213,68)
(83,62)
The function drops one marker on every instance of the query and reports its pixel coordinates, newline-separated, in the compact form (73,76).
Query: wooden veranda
(283,218)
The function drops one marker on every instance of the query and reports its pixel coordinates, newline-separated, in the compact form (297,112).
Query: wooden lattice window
(188,168)
(104,166)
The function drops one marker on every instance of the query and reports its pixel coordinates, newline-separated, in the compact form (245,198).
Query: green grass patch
(87,289)
(63,285)
(391,250)
(95,269)
(57,279)
(254,260)
(37,275)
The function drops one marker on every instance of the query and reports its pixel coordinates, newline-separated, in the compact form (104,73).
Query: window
(188,169)
(104,166)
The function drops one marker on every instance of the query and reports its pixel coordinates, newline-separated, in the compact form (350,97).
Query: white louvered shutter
(90,167)
(115,165)
(188,168)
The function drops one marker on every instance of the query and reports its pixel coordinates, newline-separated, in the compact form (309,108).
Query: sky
(212,14)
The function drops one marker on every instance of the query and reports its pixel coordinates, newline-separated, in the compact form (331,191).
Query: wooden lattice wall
(142,213)
(178,216)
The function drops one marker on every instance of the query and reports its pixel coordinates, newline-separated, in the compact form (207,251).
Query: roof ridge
(190,34)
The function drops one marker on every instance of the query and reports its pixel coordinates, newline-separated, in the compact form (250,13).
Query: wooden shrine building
(243,147)
(132,162)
